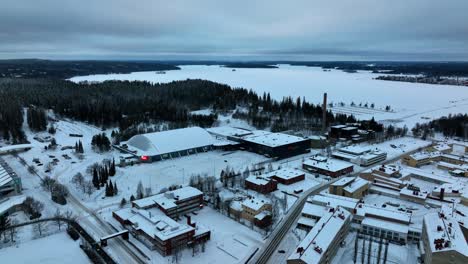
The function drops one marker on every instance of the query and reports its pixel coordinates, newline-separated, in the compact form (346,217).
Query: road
(100,228)
(286,225)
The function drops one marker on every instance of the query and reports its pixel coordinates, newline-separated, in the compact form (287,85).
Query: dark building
(261,184)
(274,145)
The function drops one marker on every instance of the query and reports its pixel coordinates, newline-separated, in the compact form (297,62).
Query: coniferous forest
(125,104)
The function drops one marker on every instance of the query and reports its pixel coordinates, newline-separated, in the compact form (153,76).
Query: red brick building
(286,176)
(159,232)
(261,184)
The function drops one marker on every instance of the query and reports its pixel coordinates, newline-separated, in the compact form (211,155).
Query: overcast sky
(216,29)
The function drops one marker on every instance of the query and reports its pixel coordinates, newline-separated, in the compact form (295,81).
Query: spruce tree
(107,190)
(95,178)
(116,190)
(111,189)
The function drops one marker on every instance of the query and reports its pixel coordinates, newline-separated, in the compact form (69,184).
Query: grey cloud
(154,29)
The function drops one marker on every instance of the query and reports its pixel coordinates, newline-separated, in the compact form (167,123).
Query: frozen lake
(411,101)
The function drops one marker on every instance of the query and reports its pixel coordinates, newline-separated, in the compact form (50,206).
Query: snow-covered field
(57,248)
(178,171)
(412,102)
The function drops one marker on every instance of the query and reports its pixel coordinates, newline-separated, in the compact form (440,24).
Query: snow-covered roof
(314,210)
(356,185)
(423,155)
(442,147)
(15,147)
(236,205)
(332,165)
(255,203)
(387,169)
(355,149)
(272,139)
(425,174)
(412,193)
(257,180)
(285,173)
(334,200)
(158,143)
(446,231)
(343,181)
(313,247)
(262,215)
(338,126)
(154,223)
(459,212)
(168,199)
(306,221)
(227,131)
(367,210)
(8,203)
(6,174)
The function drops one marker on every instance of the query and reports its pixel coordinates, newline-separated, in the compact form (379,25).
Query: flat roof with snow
(332,200)
(257,180)
(154,223)
(356,185)
(437,227)
(227,131)
(343,181)
(168,199)
(285,173)
(273,139)
(318,240)
(255,203)
(332,165)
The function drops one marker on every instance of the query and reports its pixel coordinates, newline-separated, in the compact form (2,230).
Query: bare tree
(33,207)
(48,183)
(58,221)
(38,228)
(79,180)
(88,188)
(13,231)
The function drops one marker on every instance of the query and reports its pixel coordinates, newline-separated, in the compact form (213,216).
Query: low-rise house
(254,206)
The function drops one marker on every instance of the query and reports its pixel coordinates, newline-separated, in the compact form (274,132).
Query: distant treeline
(450,126)
(33,68)
(250,65)
(431,69)
(126,104)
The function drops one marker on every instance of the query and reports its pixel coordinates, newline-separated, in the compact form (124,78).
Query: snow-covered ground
(53,249)
(412,102)
(230,242)
(396,253)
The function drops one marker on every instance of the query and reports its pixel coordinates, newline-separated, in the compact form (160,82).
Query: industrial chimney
(442,191)
(324,114)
